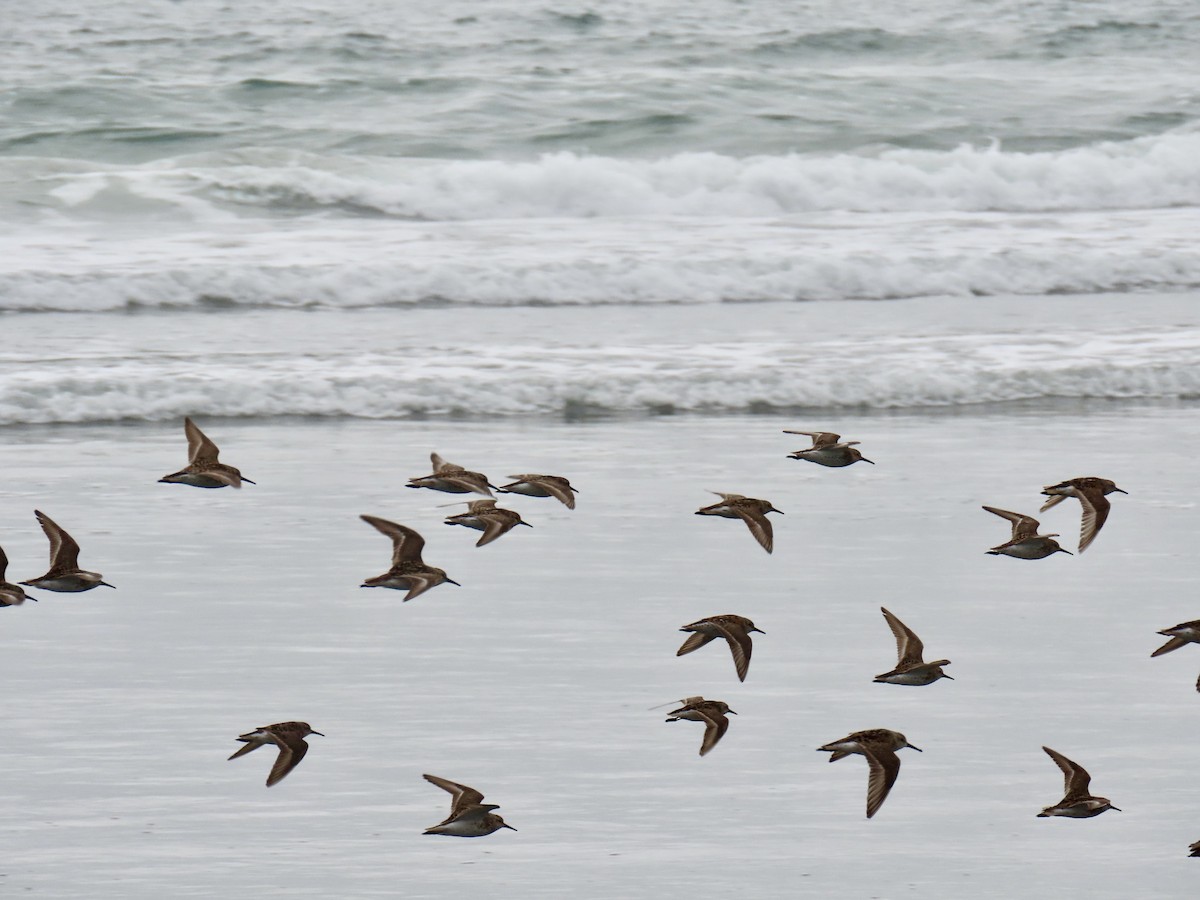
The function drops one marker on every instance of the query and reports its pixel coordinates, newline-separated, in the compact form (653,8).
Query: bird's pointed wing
(560,490)
(695,641)
(885,766)
(291,750)
(759,525)
(462,797)
(406,543)
(740,645)
(1075,778)
(420,583)
(1095,511)
(200,448)
(715,726)
(64,552)
(441,467)
(820,439)
(1053,500)
(493,527)
(1022,526)
(909,648)
(1173,644)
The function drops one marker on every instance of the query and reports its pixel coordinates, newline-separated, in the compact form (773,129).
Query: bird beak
(526,524)
(510,828)
(944,675)
(864,459)
(1068,552)
(1126,493)
(106,584)
(452,581)
(773,509)
(1117,808)
(731,712)
(248,481)
(918,749)
(315,732)
(759,630)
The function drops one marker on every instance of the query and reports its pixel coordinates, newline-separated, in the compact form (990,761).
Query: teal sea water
(629,243)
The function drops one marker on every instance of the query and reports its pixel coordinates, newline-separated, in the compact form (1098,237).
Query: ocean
(626,243)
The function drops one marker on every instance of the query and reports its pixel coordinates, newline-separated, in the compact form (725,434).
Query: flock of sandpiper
(469,816)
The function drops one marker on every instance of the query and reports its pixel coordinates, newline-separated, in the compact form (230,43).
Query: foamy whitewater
(421,165)
(629,243)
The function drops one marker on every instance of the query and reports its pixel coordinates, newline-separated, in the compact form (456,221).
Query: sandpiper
(10,594)
(542,486)
(736,631)
(408,571)
(879,746)
(452,479)
(711,712)
(911,667)
(469,815)
(1184,633)
(1025,542)
(1090,492)
(828,449)
(65,575)
(751,511)
(485,516)
(1076,803)
(203,470)
(288,737)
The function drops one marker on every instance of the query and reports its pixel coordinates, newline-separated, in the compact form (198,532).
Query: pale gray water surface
(533,680)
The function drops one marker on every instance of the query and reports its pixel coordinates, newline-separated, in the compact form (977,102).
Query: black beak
(759,630)
(918,749)
(510,828)
(864,459)
(106,584)
(452,581)
(316,732)
(248,481)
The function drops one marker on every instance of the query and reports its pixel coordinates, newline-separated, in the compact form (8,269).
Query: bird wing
(441,467)
(64,552)
(292,748)
(820,439)
(493,527)
(1075,778)
(462,797)
(1054,500)
(909,648)
(759,525)
(740,645)
(558,488)
(3,563)
(1022,526)
(695,641)
(1173,644)
(715,726)
(406,543)
(885,766)
(419,583)
(200,448)
(1095,511)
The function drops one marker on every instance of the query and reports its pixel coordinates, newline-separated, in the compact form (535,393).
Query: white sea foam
(364,263)
(556,379)
(1149,172)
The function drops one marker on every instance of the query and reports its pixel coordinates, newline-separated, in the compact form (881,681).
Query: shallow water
(533,681)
